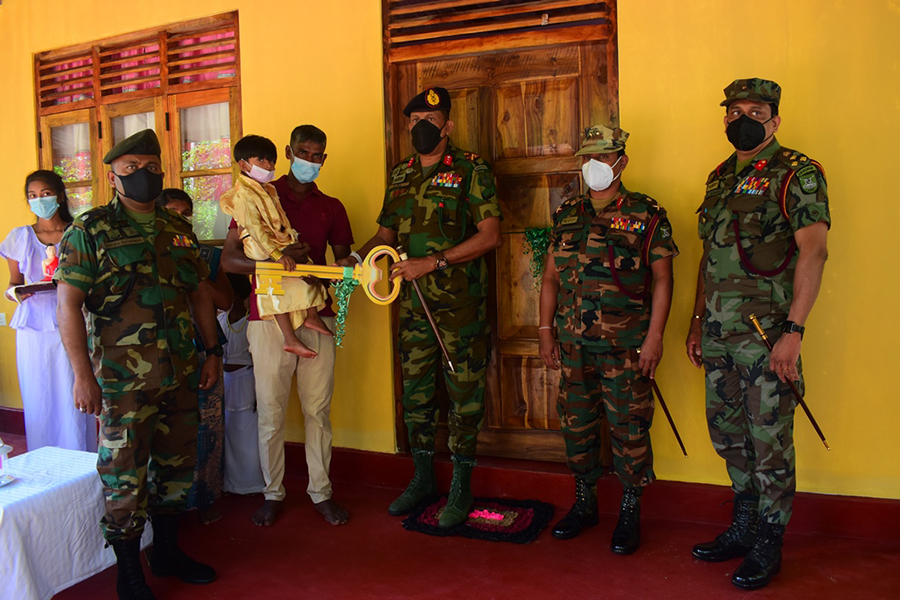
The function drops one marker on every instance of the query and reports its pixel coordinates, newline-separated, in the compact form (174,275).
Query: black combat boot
(422,486)
(130,582)
(738,539)
(764,560)
(583,513)
(460,500)
(626,536)
(167,559)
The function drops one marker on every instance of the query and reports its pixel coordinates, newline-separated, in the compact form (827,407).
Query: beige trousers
(274,368)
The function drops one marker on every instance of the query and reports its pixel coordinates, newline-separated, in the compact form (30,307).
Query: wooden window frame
(165,100)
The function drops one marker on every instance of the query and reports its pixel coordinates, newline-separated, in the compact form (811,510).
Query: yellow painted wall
(320,62)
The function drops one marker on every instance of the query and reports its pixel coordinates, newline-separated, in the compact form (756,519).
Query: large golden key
(368,274)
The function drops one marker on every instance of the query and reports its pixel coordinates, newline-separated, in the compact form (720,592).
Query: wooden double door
(523,111)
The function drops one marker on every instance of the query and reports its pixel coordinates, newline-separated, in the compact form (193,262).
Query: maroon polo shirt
(319,219)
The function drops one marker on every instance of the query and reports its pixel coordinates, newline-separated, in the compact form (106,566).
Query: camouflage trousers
(466,333)
(750,414)
(605,386)
(147,451)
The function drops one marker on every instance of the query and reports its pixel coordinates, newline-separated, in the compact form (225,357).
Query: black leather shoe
(167,559)
(627,535)
(583,513)
(764,560)
(738,539)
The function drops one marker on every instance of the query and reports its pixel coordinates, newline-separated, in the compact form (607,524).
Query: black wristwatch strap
(791,327)
(216,350)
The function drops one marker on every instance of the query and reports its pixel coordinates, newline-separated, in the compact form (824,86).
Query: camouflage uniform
(141,344)
(747,224)
(431,214)
(602,319)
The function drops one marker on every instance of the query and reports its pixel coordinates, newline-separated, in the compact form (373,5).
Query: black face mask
(142,185)
(745,133)
(425,136)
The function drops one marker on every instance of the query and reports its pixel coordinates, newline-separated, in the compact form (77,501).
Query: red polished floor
(374,557)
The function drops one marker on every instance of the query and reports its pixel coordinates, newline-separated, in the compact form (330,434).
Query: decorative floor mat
(493,519)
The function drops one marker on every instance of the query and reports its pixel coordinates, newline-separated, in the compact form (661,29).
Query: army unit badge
(432,99)
(807,176)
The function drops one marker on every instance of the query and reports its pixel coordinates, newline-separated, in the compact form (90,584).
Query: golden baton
(793,387)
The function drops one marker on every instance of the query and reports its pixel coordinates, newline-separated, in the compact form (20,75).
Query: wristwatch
(216,350)
(440,261)
(791,327)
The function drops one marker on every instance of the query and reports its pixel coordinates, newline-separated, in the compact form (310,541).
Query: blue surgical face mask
(44,206)
(305,171)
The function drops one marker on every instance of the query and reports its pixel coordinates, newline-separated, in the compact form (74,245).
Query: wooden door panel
(510,140)
(503,67)
(519,296)
(551,118)
(530,200)
(530,391)
(465,119)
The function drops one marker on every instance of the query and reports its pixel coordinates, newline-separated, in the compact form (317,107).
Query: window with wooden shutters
(181,80)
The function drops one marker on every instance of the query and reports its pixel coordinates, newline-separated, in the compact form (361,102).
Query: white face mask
(261,175)
(598,175)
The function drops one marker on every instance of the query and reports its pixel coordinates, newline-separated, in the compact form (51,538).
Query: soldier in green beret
(764,223)
(138,271)
(441,206)
(605,299)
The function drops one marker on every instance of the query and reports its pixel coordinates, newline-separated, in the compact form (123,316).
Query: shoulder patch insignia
(807,177)
(665,231)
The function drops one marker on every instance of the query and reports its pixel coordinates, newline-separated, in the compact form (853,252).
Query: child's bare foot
(297,347)
(314,322)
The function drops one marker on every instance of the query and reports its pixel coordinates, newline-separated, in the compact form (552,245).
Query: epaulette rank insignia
(470,155)
(447,180)
(183,241)
(624,224)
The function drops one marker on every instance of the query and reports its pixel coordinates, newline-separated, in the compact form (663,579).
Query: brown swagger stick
(665,408)
(793,387)
(428,315)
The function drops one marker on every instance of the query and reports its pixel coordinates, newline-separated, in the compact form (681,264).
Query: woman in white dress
(45,375)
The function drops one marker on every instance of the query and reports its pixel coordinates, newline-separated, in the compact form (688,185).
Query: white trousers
(46,380)
(274,368)
(243,474)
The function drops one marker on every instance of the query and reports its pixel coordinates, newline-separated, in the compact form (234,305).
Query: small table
(50,537)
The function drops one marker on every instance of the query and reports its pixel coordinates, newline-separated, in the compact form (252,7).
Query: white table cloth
(50,537)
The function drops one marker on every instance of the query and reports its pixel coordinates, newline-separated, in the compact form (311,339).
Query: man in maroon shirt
(321,221)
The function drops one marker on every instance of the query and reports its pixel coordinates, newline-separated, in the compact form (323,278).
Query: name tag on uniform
(129,241)
(711,186)
(447,180)
(753,185)
(569,220)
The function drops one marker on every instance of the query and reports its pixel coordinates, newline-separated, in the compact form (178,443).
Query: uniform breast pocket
(624,250)
(185,260)
(748,212)
(567,249)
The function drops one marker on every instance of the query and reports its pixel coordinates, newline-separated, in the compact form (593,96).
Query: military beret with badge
(141,143)
(432,99)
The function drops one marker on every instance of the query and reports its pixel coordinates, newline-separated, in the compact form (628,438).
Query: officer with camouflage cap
(605,298)
(137,270)
(441,206)
(764,223)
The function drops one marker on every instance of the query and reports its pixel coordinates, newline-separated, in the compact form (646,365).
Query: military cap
(436,98)
(759,90)
(599,139)
(142,142)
